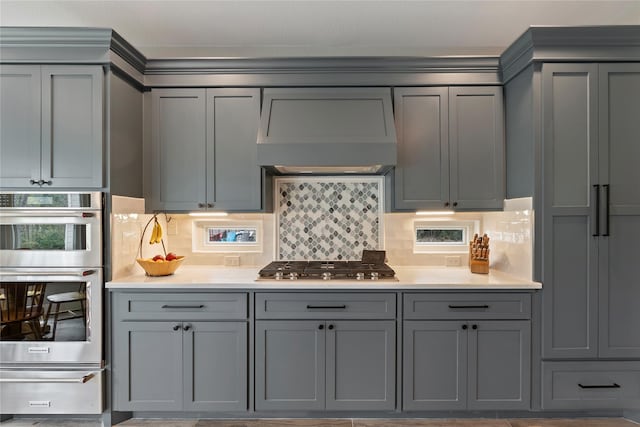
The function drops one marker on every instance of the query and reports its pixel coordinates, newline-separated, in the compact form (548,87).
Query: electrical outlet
(453,261)
(232,261)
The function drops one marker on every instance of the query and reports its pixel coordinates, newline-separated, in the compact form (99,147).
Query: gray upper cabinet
(592,210)
(235,183)
(52,126)
(476,147)
(178,152)
(19,125)
(422,124)
(450,148)
(204,153)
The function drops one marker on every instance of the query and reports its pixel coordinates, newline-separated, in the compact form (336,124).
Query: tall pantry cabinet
(572,143)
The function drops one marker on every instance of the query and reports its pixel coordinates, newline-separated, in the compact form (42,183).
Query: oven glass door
(59,239)
(51,316)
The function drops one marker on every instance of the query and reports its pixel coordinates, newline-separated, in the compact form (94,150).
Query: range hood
(327,131)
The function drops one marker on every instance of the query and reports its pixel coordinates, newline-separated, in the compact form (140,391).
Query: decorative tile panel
(328,218)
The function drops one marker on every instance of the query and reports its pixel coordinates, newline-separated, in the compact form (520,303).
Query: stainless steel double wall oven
(51,288)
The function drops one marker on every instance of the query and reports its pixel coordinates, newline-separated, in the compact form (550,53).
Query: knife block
(479,255)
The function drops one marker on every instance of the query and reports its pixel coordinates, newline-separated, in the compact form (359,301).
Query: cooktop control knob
(326,276)
(360,276)
(293,276)
(374,275)
(279,275)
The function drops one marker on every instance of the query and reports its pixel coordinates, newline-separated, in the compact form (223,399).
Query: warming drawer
(51,391)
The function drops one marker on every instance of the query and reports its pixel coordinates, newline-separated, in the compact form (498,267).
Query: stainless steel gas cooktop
(326,270)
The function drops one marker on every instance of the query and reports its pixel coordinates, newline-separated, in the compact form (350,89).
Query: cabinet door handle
(331,327)
(176,327)
(455,204)
(596,207)
(446,204)
(187,327)
(457,307)
(320,307)
(209,205)
(46,182)
(183,306)
(614,385)
(606,209)
(321,326)
(34,182)
(474,327)
(464,327)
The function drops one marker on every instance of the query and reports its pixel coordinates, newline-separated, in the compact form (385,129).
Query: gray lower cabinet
(450,148)
(203,150)
(318,364)
(469,364)
(51,126)
(184,351)
(180,366)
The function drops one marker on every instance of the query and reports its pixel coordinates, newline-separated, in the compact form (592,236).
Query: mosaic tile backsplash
(321,219)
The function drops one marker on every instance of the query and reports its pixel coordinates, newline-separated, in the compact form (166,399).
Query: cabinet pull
(446,204)
(320,307)
(464,327)
(596,206)
(187,327)
(614,385)
(42,181)
(606,209)
(454,307)
(209,205)
(321,326)
(183,306)
(176,327)
(474,327)
(201,205)
(331,327)
(455,204)
(34,182)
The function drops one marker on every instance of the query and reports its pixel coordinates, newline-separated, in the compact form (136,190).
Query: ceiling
(239,28)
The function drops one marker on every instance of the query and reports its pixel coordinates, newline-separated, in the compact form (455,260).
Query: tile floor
(524,422)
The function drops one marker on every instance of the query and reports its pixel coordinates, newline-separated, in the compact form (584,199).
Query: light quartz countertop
(408,278)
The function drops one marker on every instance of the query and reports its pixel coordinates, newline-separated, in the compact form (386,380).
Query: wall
(510,232)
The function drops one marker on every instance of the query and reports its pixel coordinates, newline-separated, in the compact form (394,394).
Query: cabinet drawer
(325,306)
(467,306)
(590,385)
(51,392)
(189,306)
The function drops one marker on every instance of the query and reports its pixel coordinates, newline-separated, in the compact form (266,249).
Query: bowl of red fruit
(161,265)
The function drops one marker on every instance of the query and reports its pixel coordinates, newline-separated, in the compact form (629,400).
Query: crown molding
(612,43)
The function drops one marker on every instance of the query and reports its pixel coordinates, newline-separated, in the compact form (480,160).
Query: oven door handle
(80,273)
(81,380)
(81,213)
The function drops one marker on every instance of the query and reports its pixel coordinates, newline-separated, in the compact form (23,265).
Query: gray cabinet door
(499,364)
(422,126)
(476,147)
(234,179)
(72,125)
(434,365)
(570,199)
(361,365)
(19,125)
(290,365)
(147,366)
(619,139)
(178,154)
(215,366)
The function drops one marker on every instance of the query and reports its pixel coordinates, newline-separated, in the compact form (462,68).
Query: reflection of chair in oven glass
(21,310)
(78,296)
